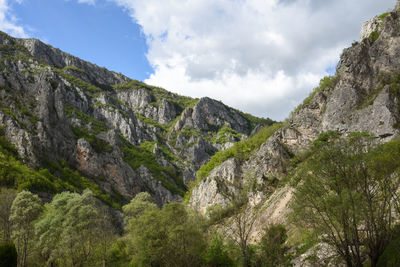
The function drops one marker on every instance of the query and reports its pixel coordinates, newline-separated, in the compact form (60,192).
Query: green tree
(50,226)
(8,255)
(172,236)
(272,246)
(139,204)
(74,230)
(349,194)
(243,214)
(216,254)
(25,208)
(7,197)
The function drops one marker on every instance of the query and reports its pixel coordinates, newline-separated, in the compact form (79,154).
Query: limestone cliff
(363,95)
(65,113)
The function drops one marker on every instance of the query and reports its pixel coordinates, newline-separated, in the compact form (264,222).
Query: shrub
(8,255)
(241,150)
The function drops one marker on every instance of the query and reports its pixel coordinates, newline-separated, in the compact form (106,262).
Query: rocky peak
(59,59)
(363,95)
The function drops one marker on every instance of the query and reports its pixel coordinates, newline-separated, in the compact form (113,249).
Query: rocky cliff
(121,136)
(363,95)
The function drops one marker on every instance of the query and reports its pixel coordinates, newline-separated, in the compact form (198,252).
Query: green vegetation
(8,255)
(241,150)
(158,94)
(374,35)
(87,88)
(91,127)
(328,82)
(142,155)
(224,134)
(383,15)
(272,246)
(99,145)
(348,195)
(168,237)
(25,209)
(95,126)
(55,178)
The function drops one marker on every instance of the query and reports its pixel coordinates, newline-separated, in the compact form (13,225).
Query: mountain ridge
(134,136)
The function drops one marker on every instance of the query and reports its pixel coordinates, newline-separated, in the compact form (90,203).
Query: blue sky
(260,56)
(103,34)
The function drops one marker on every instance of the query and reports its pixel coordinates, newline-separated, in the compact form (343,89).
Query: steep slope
(363,95)
(64,114)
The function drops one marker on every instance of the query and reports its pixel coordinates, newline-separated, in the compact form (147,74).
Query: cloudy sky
(260,56)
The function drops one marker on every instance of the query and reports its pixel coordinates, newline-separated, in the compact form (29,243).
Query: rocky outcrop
(122,134)
(363,95)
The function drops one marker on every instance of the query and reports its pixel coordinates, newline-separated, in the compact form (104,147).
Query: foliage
(7,197)
(391,256)
(8,255)
(348,194)
(87,88)
(158,94)
(224,134)
(168,237)
(99,145)
(139,204)
(25,208)
(241,150)
(137,156)
(272,246)
(240,225)
(383,15)
(328,82)
(216,254)
(374,35)
(74,181)
(71,228)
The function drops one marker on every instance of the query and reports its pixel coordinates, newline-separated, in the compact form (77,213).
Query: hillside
(113,134)
(362,96)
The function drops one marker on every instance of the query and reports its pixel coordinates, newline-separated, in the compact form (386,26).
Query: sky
(260,56)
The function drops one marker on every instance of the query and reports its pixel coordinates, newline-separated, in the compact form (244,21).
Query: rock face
(363,95)
(120,133)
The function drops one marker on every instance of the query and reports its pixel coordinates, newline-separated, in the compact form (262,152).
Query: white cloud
(262,56)
(8,22)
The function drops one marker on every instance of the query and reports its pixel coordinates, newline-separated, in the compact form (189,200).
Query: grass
(88,88)
(158,94)
(55,178)
(374,35)
(241,150)
(383,16)
(328,82)
(142,155)
(224,134)
(99,145)
(93,125)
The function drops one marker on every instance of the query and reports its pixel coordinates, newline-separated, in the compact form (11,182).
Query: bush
(8,255)
(216,254)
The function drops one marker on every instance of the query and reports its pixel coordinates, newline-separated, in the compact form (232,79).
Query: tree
(25,208)
(216,254)
(74,230)
(171,236)
(349,194)
(8,255)
(272,246)
(139,204)
(7,197)
(243,215)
